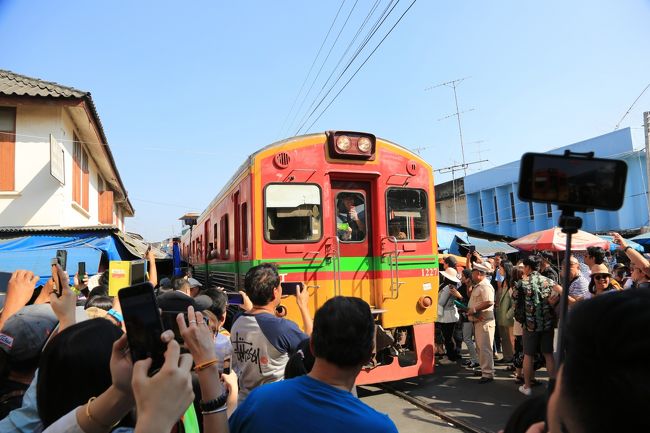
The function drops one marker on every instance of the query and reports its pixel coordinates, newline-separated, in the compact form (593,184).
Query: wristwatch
(626,248)
(214,404)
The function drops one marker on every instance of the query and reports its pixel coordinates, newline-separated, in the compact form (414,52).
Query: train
(346,213)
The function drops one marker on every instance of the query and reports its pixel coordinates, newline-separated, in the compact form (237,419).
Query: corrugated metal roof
(21,85)
(57,229)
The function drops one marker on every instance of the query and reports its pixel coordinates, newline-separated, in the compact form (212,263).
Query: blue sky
(187,90)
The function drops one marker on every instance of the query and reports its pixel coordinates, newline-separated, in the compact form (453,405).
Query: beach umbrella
(554,240)
(631,243)
(643,239)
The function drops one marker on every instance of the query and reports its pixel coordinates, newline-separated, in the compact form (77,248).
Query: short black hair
(100,290)
(101,302)
(613,323)
(532,262)
(546,255)
(75,364)
(344,332)
(259,283)
(179,282)
(219,301)
(451,261)
(597,253)
(467,273)
(300,362)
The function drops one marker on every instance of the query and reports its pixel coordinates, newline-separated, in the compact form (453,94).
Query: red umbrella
(554,240)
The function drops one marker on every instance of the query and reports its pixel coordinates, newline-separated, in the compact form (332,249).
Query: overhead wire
(361,66)
(380,21)
(325,61)
(312,65)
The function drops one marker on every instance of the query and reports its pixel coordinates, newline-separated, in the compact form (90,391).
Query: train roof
(251,158)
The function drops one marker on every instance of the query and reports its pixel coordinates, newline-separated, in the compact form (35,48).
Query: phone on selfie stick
(143,324)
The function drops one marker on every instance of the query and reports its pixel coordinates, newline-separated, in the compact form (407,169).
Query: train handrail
(336,265)
(395,283)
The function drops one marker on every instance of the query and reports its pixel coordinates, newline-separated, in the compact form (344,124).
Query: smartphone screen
(289,288)
(143,324)
(235,298)
(226,365)
(81,270)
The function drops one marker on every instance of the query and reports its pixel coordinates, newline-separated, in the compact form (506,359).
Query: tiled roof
(20,85)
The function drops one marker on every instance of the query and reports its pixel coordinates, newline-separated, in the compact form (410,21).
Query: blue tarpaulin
(34,252)
(449,237)
(488,248)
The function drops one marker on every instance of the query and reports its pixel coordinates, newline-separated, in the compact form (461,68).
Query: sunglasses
(601,277)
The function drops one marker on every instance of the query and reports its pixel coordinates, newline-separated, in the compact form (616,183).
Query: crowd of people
(66,366)
(65,363)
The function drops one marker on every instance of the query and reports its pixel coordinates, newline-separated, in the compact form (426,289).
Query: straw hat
(450,274)
(600,269)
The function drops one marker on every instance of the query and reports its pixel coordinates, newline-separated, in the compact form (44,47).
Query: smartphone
(58,284)
(572,181)
(169,322)
(62,258)
(81,270)
(143,324)
(226,365)
(289,288)
(235,298)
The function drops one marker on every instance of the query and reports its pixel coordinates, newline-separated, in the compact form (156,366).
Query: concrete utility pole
(646,130)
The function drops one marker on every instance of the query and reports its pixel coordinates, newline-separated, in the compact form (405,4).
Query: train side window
(214,251)
(407,214)
(225,237)
(244,228)
(293,213)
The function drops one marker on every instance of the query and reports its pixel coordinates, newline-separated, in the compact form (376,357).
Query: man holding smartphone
(262,341)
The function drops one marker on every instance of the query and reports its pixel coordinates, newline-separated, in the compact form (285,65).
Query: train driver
(351,216)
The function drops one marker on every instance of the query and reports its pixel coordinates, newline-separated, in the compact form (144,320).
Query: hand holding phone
(291,288)
(143,324)
(235,298)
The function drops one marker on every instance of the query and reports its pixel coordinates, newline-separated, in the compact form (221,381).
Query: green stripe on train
(347,264)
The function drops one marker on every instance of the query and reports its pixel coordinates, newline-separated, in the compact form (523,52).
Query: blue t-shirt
(304,404)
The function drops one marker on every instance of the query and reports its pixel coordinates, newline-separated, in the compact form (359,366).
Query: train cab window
(350,216)
(407,214)
(293,213)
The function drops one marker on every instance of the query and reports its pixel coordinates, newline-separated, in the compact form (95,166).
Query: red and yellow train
(345,212)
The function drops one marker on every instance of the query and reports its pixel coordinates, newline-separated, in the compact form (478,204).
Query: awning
(449,237)
(489,248)
(35,251)
(631,243)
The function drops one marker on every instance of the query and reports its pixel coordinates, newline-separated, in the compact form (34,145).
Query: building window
(80,178)
(549,210)
(7,148)
(496,210)
(512,207)
(480,208)
(531,211)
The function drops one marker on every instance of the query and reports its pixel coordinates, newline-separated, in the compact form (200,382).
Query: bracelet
(214,405)
(626,248)
(210,412)
(206,364)
(116,315)
(90,417)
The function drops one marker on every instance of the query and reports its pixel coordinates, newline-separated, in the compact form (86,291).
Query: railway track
(432,409)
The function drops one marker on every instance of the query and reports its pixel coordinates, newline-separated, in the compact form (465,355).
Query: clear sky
(186,90)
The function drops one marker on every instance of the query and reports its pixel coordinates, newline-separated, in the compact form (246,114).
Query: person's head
(219,303)
(181,285)
(480,271)
(195,287)
(449,276)
(23,336)
(466,277)
(347,201)
(449,262)
(344,333)
(262,284)
(101,302)
(531,264)
(546,258)
(74,367)
(595,256)
(164,286)
(601,279)
(505,268)
(638,275)
(492,262)
(517,274)
(100,290)
(585,399)
(300,362)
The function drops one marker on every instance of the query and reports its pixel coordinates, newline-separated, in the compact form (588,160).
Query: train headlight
(343,143)
(364,144)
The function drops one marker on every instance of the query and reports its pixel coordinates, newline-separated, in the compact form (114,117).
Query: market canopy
(642,239)
(489,248)
(630,243)
(554,240)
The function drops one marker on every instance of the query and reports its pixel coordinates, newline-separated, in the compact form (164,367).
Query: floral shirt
(540,315)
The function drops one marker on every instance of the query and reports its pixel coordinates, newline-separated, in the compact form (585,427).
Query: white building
(56,168)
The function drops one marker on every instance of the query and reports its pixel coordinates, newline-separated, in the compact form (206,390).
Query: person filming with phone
(262,341)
